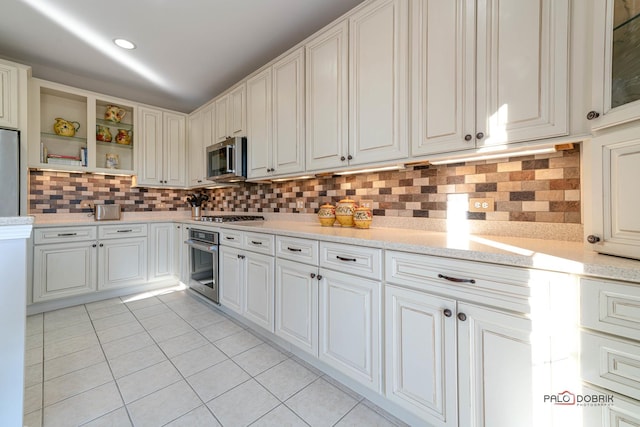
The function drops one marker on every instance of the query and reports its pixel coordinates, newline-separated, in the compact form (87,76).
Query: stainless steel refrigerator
(9,173)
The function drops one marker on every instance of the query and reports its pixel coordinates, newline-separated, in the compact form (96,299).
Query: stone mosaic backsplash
(540,188)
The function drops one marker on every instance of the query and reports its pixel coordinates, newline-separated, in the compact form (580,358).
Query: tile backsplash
(541,188)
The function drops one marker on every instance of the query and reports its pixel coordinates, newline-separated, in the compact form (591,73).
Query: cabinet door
(297,305)
(196,148)
(620,411)
(177,250)
(63,270)
(378,82)
(150,147)
(327,99)
(614,158)
(443,96)
(122,262)
(421,354)
(288,114)
(259,124)
(349,326)
(231,278)
(185,268)
(522,70)
(503,370)
(222,119)
(161,251)
(259,289)
(238,111)
(175,149)
(8,96)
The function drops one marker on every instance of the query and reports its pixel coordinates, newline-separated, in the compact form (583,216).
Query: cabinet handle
(592,115)
(319,277)
(455,279)
(67,234)
(447,312)
(240,256)
(230,238)
(199,181)
(479,135)
(313,275)
(101,245)
(124,231)
(343,158)
(294,249)
(462,317)
(468,137)
(349,157)
(345,259)
(591,238)
(94,245)
(255,242)
(177,226)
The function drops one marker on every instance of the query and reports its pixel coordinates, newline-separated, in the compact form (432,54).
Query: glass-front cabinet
(616,75)
(79,131)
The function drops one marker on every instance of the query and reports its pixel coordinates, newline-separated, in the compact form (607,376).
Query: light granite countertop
(561,256)
(16,220)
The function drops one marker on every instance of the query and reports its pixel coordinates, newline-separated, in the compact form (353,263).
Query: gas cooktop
(230,218)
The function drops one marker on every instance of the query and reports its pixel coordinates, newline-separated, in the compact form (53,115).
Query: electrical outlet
(299,204)
(481,204)
(86,204)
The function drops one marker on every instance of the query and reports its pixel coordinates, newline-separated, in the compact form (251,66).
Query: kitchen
(493,176)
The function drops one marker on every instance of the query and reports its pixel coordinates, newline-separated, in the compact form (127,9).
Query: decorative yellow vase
(327,215)
(344,212)
(362,217)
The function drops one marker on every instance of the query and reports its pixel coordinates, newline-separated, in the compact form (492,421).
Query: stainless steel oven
(203,263)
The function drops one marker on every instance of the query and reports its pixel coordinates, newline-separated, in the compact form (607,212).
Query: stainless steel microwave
(227,160)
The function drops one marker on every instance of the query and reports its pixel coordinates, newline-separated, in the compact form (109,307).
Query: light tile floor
(172,359)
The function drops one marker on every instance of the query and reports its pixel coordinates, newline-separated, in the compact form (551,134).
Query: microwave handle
(230,162)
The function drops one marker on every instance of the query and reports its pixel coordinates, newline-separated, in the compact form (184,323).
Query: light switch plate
(484,204)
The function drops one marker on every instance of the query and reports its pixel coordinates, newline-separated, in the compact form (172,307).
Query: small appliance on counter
(107,212)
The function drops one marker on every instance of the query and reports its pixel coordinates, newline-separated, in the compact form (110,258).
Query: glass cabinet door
(625,63)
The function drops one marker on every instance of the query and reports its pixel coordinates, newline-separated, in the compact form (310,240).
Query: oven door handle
(200,246)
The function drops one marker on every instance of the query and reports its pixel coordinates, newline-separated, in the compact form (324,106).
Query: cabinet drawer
(611,307)
(611,363)
(358,260)
(122,230)
(259,242)
(296,249)
(63,234)
(231,238)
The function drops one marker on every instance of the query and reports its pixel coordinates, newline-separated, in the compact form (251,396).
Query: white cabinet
(230,114)
(122,262)
(420,342)
(222,119)
(616,93)
(378,82)
(275,118)
(327,98)
(612,223)
(488,73)
(163,148)
(8,96)
(161,251)
(609,410)
(247,277)
(200,131)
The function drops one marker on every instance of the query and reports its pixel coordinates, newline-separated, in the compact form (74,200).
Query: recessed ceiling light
(124,43)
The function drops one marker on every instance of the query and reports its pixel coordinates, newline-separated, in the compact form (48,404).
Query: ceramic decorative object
(344,212)
(64,127)
(103,134)
(362,217)
(327,215)
(113,113)
(123,137)
(112,161)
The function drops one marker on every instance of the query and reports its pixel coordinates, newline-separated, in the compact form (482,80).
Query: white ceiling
(187,52)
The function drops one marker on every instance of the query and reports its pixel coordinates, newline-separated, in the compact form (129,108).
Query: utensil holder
(195,211)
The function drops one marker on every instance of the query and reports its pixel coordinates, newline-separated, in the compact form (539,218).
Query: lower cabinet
(349,330)
(161,253)
(122,262)
(609,410)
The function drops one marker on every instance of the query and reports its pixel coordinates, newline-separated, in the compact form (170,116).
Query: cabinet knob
(462,317)
(240,256)
(101,245)
(94,245)
(447,312)
(468,137)
(319,277)
(479,135)
(349,157)
(343,158)
(592,115)
(313,275)
(591,238)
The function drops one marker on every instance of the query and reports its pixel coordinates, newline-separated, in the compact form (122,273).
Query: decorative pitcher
(344,212)
(64,127)
(103,133)
(114,113)
(123,137)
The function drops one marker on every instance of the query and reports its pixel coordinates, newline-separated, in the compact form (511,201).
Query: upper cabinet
(488,73)
(200,128)
(616,58)
(75,130)
(275,118)
(230,114)
(8,96)
(162,155)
